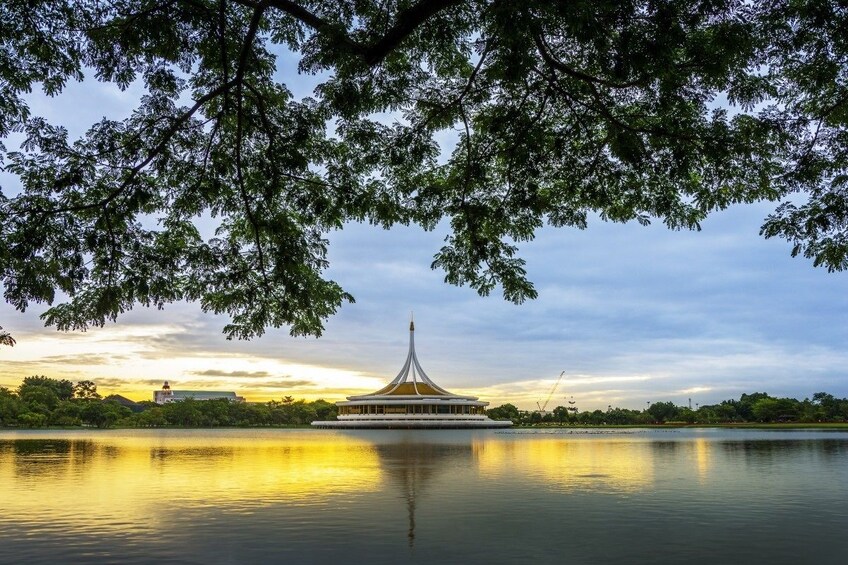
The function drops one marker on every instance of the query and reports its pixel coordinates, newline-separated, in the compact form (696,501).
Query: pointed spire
(411,322)
(411,380)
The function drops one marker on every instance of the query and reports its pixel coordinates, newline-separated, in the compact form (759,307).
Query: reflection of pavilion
(412,400)
(412,465)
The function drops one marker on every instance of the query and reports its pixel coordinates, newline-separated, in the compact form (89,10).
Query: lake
(520,496)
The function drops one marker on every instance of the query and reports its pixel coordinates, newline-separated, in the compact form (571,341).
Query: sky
(630,314)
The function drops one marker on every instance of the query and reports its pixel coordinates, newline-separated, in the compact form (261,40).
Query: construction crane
(550,394)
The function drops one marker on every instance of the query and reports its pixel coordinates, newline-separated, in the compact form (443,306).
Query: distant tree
(151,418)
(63,389)
(663,412)
(745,405)
(325,410)
(252,414)
(773,409)
(687,415)
(828,405)
(504,412)
(32,419)
(10,407)
(39,398)
(86,390)
(183,413)
(302,413)
(103,414)
(595,417)
(727,411)
(67,413)
(218,412)
(561,414)
(765,409)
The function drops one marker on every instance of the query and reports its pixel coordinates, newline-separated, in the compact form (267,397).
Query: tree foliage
(62,389)
(6,338)
(86,390)
(561,111)
(758,407)
(42,401)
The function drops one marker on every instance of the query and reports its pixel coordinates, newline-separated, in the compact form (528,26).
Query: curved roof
(411,380)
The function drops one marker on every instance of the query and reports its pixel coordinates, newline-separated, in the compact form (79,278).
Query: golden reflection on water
(137,480)
(116,481)
(312,496)
(565,465)
(703,456)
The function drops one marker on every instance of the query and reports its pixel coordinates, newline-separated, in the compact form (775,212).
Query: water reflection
(323,496)
(411,466)
(703,457)
(565,465)
(48,478)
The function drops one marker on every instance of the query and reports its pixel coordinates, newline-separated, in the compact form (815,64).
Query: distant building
(166,395)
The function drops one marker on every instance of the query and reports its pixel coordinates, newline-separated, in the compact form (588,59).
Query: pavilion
(412,400)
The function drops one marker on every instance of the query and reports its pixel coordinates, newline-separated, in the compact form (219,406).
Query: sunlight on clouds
(135,360)
(526,394)
(695,390)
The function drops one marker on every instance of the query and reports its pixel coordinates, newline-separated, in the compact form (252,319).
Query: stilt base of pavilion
(410,424)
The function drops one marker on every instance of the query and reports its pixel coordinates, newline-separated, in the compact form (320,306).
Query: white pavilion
(412,400)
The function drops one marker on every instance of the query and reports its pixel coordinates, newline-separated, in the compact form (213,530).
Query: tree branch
(222,40)
(169,133)
(245,52)
(574,73)
(407,21)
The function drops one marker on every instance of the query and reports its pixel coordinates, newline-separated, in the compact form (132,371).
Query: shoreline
(739,425)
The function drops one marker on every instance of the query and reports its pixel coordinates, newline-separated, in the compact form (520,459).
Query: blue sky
(631,314)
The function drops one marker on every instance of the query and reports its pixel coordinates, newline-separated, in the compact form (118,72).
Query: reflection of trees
(41,457)
(411,465)
(767,451)
(665,452)
(161,453)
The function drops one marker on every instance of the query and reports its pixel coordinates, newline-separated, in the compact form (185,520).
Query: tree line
(40,401)
(758,407)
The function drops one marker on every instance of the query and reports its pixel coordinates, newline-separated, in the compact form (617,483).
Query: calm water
(310,496)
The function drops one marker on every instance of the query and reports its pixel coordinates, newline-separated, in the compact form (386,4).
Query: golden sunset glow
(703,458)
(565,465)
(135,360)
(262,468)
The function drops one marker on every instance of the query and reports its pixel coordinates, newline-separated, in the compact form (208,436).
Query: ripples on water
(310,496)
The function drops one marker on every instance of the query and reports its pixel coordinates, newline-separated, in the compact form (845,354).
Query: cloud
(231,374)
(119,383)
(288,384)
(84,359)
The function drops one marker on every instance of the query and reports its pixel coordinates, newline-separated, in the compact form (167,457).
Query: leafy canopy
(560,111)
